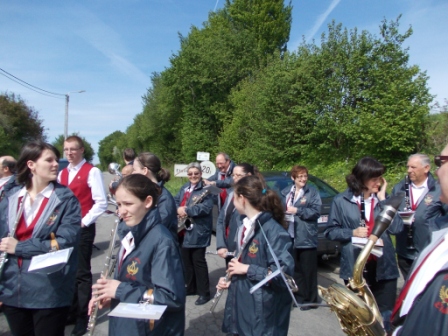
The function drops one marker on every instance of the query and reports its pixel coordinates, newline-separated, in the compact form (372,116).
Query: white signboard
(208,169)
(180,170)
(202,156)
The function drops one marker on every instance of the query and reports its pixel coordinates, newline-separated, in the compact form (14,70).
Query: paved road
(318,322)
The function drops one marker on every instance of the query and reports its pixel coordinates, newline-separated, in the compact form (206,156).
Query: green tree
(437,124)
(353,95)
(109,150)
(89,153)
(19,124)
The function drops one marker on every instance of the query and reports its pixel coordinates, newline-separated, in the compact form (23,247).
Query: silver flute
(228,276)
(4,255)
(104,273)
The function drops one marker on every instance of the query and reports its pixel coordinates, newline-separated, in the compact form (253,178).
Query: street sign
(202,156)
(180,170)
(208,169)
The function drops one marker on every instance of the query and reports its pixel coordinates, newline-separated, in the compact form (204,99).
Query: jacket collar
(286,190)
(151,219)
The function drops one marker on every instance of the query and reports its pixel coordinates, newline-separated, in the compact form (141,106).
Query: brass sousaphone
(354,304)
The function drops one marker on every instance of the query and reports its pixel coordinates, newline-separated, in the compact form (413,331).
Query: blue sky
(110,48)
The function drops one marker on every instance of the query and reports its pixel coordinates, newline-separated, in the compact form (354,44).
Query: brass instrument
(354,304)
(4,255)
(105,272)
(186,223)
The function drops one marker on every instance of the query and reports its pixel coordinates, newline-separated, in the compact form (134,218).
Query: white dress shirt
(95,183)
(419,192)
(30,210)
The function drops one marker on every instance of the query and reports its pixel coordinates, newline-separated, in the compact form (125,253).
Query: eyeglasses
(70,149)
(439,160)
(238,175)
(193,174)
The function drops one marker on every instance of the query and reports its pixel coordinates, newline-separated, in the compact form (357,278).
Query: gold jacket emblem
(132,268)
(253,248)
(443,293)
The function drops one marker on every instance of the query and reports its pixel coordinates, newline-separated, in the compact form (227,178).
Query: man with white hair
(422,307)
(7,170)
(422,195)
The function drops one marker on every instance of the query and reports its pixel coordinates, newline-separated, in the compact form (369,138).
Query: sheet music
(138,311)
(42,261)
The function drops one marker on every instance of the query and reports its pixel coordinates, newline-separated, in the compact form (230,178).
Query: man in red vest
(422,307)
(86,182)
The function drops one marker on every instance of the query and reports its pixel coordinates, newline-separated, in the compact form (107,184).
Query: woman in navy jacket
(229,220)
(149,266)
(149,165)
(197,236)
(353,214)
(302,204)
(266,311)
(37,303)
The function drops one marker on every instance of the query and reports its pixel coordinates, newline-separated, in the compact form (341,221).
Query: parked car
(63,163)
(277,181)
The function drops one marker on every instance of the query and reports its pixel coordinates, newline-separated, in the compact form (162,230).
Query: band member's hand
(8,244)
(105,289)
(235,267)
(181,211)
(101,304)
(222,252)
(291,210)
(207,182)
(360,232)
(382,193)
(222,283)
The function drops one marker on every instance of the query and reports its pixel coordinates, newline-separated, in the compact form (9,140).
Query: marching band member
(222,177)
(421,308)
(424,193)
(230,220)
(149,165)
(47,217)
(197,236)
(303,203)
(86,182)
(352,214)
(149,265)
(267,310)
(7,170)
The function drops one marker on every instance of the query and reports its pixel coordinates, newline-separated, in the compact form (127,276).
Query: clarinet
(104,274)
(4,255)
(408,207)
(227,277)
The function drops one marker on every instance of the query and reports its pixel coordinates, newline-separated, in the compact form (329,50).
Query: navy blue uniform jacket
(265,312)
(344,217)
(305,220)
(201,216)
(154,263)
(62,216)
(427,211)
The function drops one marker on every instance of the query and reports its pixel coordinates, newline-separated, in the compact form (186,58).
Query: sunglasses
(439,160)
(193,174)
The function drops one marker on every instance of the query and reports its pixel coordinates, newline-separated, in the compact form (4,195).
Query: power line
(29,86)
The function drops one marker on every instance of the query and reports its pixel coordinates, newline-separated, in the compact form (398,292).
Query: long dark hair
(250,169)
(255,191)
(365,169)
(152,162)
(141,187)
(32,151)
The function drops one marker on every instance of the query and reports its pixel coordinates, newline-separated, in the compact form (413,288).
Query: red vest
(23,232)
(80,187)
